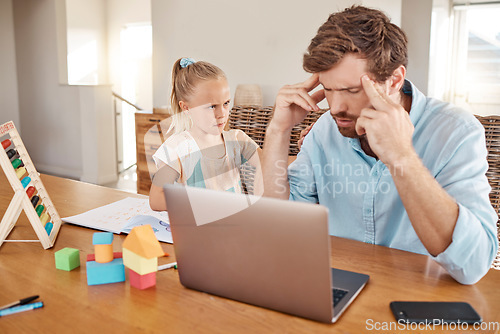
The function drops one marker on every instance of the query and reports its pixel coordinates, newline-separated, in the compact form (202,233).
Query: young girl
(200,153)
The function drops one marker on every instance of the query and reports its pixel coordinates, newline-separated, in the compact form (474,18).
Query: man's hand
(293,102)
(387,126)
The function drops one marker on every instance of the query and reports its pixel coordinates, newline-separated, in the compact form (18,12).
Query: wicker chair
(253,120)
(492,132)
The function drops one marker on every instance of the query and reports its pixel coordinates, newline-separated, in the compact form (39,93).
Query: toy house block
(139,264)
(67,259)
(143,242)
(103,246)
(104,273)
(116,255)
(141,282)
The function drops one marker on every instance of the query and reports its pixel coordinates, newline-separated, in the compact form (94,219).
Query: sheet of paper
(116,217)
(160,227)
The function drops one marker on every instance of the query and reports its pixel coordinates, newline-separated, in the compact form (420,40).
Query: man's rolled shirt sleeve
(474,241)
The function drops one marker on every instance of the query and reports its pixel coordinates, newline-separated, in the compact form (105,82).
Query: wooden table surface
(71,306)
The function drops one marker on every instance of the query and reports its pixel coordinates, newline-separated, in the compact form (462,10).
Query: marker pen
(21,308)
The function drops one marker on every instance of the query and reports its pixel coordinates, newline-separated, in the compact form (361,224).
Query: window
(465,55)
(475,80)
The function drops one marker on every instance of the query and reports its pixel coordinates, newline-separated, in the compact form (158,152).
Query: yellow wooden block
(143,242)
(103,253)
(139,264)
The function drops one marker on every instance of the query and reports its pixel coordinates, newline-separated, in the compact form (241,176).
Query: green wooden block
(67,259)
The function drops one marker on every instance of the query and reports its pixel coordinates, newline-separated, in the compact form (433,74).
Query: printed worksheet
(122,216)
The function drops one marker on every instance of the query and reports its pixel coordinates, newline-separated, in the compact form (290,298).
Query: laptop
(262,251)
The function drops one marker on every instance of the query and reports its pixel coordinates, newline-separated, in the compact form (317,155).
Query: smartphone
(434,312)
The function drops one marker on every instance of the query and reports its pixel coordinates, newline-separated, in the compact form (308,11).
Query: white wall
(258,41)
(390,7)
(416,22)
(9,105)
(57,120)
(49,118)
(87,42)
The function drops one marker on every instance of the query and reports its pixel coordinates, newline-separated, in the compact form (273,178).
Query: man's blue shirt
(364,203)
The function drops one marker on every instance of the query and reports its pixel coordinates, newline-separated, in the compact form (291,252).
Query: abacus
(29,193)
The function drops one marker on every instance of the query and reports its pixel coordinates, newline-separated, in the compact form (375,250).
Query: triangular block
(143,242)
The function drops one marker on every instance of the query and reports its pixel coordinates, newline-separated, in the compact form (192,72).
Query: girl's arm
(165,175)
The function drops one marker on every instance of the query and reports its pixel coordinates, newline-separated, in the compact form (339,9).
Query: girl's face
(209,106)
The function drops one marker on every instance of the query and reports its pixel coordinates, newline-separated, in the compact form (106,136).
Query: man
(394,167)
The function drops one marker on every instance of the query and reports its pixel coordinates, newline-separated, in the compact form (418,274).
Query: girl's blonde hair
(186,74)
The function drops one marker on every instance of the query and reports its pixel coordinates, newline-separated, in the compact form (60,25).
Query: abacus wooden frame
(20,201)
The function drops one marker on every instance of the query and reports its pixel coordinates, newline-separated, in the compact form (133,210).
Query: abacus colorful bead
(11,153)
(44,218)
(17,163)
(48,227)
(26,181)
(6,143)
(30,191)
(20,172)
(34,200)
(39,210)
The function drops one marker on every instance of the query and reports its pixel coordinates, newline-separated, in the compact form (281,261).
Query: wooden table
(71,306)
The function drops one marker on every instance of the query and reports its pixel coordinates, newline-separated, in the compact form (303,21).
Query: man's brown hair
(364,31)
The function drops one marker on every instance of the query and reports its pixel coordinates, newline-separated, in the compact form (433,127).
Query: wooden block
(67,259)
(105,273)
(141,281)
(116,255)
(142,241)
(102,238)
(103,253)
(139,264)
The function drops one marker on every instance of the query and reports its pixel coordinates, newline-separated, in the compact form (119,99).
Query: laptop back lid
(261,251)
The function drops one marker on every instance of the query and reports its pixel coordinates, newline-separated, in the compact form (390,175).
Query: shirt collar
(418,102)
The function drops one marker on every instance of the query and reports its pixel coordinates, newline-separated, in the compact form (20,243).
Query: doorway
(136,49)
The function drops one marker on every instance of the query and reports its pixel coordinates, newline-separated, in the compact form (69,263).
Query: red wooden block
(116,255)
(141,282)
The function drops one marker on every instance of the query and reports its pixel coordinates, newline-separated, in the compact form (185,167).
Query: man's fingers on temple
(309,100)
(312,82)
(318,96)
(377,100)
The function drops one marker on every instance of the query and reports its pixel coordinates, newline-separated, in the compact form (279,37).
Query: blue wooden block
(102,238)
(104,273)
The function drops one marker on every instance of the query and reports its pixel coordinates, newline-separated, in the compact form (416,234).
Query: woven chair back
(492,132)
(253,121)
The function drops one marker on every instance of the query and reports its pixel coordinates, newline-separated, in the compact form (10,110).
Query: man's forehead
(331,83)
(346,73)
